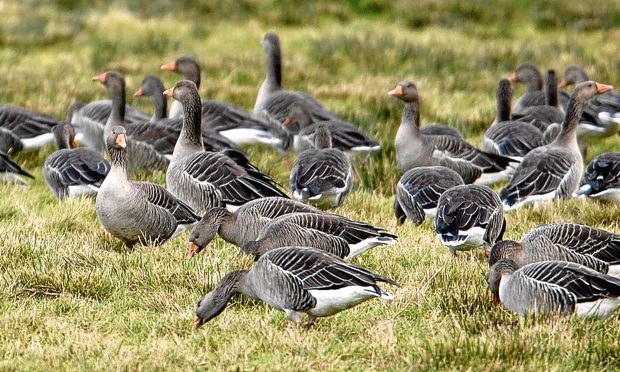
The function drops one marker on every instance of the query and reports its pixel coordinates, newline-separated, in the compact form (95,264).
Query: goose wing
(159,197)
(601,174)
(7,165)
(78,167)
(24,123)
(459,150)
(320,171)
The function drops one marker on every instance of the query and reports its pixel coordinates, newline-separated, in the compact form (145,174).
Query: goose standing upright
(152,86)
(296,280)
(553,171)
(12,173)
(601,180)
(23,129)
(415,149)
(137,211)
(549,113)
(71,171)
(210,179)
(322,176)
(534,95)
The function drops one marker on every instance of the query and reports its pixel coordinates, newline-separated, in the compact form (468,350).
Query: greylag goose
(534,95)
(321,176)
(415,149)
(210,179)
(296,280)
(469,216)
(70,171)
(601,180)
(12,173)
(508,137)
(137,211)
(553,287)
(418,192)
(588,246)
(142,153)
(334,234)
(553,171)
(549,113)
(601,117)
(23,129)
(152,86)
(229,120)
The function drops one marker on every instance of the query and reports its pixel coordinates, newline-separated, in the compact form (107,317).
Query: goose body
(12,173)
(419,190)
(601,179)
(547,113)
(469,216)
(554,287)
(137,211)
(297,281)
(552,171)
(72,172)
(331,233)
(23,129)
(321,176)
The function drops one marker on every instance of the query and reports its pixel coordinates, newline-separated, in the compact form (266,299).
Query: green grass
(72,297)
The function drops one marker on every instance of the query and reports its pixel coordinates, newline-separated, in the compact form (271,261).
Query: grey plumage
(10,172)
(21,128)
(547,113)
(601,179)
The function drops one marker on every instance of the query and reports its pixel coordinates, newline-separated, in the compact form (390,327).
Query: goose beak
(168,92)
(486,253)
(170,66)
(563,84)
(496,300)
(602,88)
(139,92)
(287,122)
(100,78)
(193,249)
(197,322)
(74,144)
(397,91)
(121,140)
(512,77)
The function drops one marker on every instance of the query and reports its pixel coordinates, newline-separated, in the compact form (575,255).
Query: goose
(553,287)
(585,245)
(509,137)
(322,176)
(601,180)
(469,216)
(24,129)
(229,120)
(553,171)
(528,74)
(152,86)
(244,224)
(297,281)
(601,117)
(418,192)
(334,234)
(415,149)
(549,113)
(203,179)
(12,173)
(71,171)
(137,211)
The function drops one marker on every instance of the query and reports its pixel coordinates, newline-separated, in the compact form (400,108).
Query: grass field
(72,297)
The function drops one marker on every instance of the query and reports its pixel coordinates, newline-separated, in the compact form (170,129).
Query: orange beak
(74,144)
(487,253)
(139,92)
(168,92)
(197,322)
(496,300)
(192,250)
(100,78)
(121,140)
(287,122)
(397,91)
(170,66)
(513,77)
(563,84)
(602,88)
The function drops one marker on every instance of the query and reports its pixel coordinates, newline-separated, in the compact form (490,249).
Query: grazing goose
(469,216)
(553,171)
(12,173)
(142,153)
(418,192)
(509,137)
(137,211)
(601,179)
(230,120)
(415,149)
(23,129)
(588,246)
(553,287)
(549,113)
(210,179)
(321,176)
(334,234)
(296,280)
(244,224)
(71,171)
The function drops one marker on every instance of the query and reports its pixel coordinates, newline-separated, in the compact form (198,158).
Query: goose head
(298,117)
(114,81)
(503,249)
(203,233)
(405,91)
(117,140)
(271,42)
(186,66)
(527,73)
(588,89)
(573,75)
(213,303)
(150,86)
(183,91)
(64,136)
(496,272)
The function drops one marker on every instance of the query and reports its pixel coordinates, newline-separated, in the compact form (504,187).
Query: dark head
(298,117)
(501,267)
(503,249)
(503,99)
(551,88)
(213,303)
(150,86)
(405,91)
(206,229)
(186,66)
(64,135)
(527,73)
(322,137)
(113,80)
(271,42)
(573,75)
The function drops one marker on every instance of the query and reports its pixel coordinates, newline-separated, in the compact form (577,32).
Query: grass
(72,297)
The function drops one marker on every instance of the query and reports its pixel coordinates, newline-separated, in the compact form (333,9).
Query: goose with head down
(601,180)
(24,129)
